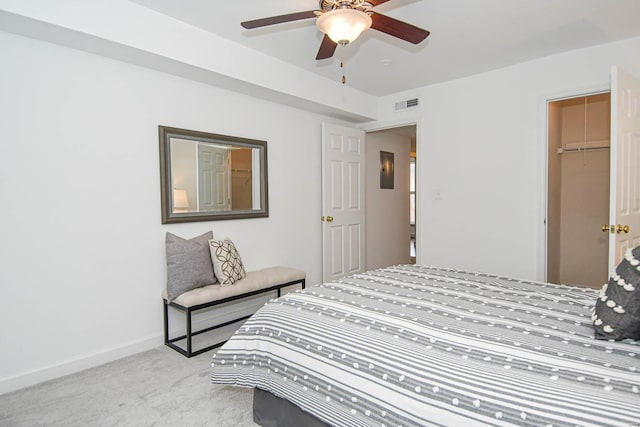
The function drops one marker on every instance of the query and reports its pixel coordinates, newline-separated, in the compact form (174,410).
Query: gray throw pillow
(617,312)
(227,263)
(188,264)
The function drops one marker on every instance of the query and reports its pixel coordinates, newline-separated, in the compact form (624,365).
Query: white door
(624,216)
(213,178)
(342,201)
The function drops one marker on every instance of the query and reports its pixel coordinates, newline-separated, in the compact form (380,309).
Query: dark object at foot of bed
(272,411)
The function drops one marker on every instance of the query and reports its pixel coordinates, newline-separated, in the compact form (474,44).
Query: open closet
(578,190)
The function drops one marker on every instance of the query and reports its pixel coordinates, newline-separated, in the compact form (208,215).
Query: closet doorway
(578,190)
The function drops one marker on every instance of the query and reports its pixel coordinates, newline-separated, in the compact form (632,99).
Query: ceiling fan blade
(398,29)
(327,48)
(263,22)
(376,2)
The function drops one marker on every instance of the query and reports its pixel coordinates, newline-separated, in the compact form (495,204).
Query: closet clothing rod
(580,150)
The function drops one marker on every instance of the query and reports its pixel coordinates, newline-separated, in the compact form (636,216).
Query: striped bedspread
(418,346)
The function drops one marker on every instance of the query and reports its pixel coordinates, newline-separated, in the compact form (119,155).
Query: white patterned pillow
(227,263)
(616,315)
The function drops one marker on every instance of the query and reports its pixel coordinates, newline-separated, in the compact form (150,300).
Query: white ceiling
(467,36)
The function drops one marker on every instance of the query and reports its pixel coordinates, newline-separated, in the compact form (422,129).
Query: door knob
(620,228)
(329,219)
(607,227)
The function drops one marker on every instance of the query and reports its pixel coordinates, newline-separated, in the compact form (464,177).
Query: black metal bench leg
(188,332)
(165,315)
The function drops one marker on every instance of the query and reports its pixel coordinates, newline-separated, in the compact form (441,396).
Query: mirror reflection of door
(213,178)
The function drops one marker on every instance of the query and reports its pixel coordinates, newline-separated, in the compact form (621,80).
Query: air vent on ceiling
(409,103)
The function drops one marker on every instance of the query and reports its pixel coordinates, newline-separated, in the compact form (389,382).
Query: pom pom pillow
(617,312)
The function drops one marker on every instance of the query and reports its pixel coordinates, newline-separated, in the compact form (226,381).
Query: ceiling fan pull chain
(342,57)
(344,78)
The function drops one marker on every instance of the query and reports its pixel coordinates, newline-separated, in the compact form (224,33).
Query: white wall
(387,210)
(481,141)
(82,247)
(145,37)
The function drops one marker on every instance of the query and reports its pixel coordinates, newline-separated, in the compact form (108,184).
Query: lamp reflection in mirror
(343,25)
(180,201)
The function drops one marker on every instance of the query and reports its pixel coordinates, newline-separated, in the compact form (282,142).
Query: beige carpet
(158,387)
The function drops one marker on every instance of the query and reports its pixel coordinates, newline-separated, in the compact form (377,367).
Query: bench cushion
(254,281)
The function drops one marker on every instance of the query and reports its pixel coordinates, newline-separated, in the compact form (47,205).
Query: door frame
(543,154)
(420,171)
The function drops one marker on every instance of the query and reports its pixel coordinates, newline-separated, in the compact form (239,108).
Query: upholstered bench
(256,282)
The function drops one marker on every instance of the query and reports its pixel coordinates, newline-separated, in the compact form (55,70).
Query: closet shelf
(580,146)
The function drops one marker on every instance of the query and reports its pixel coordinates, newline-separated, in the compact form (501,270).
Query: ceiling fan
(342,21)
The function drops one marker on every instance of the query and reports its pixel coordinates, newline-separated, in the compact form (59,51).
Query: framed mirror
(208,177)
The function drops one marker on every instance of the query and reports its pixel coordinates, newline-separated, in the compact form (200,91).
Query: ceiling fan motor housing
(361,5)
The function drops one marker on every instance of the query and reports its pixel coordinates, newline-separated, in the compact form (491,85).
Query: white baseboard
(86,361)
(77,364)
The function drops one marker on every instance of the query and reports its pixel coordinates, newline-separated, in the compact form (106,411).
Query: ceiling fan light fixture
(343,25)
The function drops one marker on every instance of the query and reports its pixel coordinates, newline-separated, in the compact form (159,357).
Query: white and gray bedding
(416,346)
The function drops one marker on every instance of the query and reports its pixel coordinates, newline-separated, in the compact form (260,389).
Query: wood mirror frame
(210,177)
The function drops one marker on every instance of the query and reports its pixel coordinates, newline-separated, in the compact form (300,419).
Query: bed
(417,346)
